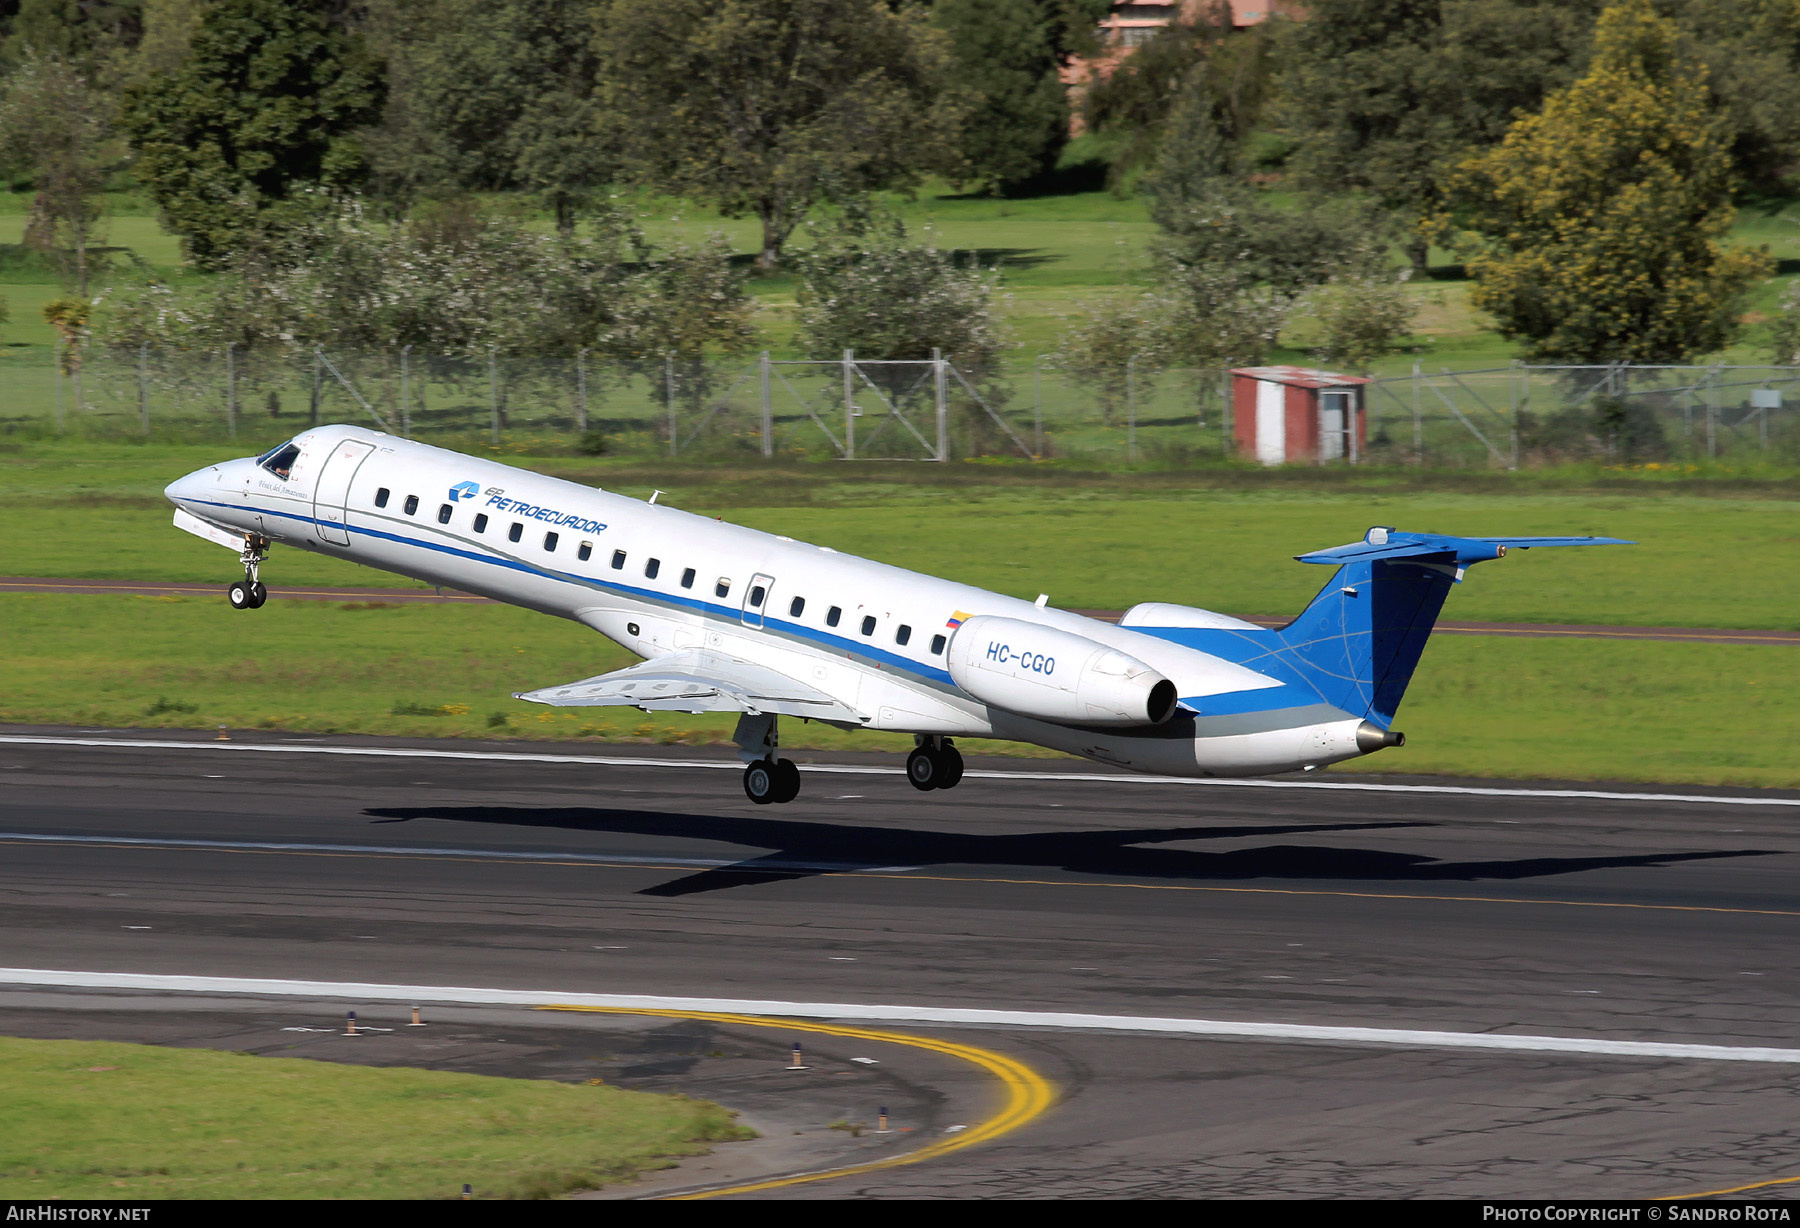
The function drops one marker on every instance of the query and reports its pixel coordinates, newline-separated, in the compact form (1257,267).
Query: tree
(1597,222)
(53,127)
(769,106)
(868,287)
(1362,311)
(491,95)
(1020,119)
(266,103)
(1386,95)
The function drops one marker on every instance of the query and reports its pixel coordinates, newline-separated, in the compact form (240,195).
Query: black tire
(950,764)
(240,596)
(924,770)
(760,782)
(259,593)
(787,778)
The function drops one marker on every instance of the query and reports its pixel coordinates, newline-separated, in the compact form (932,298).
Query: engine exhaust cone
(1371,737)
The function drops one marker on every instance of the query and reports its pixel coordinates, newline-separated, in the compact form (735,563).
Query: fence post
(405,392)
(943,408)
(849,405)
(1227,415)
(56,358)
(1418,420)
(1712,416)
(144,384)
(768,409)
(1037,408)
(1131,409)
(318,386)
(581,390)
(669,395)
(493,397)
(1512,386)
(231,389)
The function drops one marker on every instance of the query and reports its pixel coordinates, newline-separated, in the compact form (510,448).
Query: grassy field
(1480,706)
(92,1120)
(1222,541)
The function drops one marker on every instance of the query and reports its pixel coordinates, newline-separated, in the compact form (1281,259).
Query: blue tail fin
(1360,639)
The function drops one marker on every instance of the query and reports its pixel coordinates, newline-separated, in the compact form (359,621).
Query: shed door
(1334,425)
(1271,422)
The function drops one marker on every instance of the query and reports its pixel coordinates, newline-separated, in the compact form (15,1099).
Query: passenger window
(381,497)
(868,624)
(412,505)
(937,645)
(902,635)
(796,607)
(481,522)
(832,615)
(550,541)
(586,552)
(687,578)
(723,587)
(756,596)
(651,568)
(618,560)
(516,532)
(443,513)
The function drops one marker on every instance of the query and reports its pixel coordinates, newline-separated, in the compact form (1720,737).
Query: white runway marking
(1413,1038)
(846,769)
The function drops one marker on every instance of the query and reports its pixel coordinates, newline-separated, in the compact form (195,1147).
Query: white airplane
(730,619)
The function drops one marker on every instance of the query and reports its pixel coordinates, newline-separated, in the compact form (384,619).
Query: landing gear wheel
(241,596)
(950,764)
(787,779)
(259,593)
(924,769)
(760,782)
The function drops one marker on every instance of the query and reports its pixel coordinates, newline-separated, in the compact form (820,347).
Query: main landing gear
(767,777)
(249,593)
(934,764)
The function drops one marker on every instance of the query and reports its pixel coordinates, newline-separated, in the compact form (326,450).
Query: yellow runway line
(1736,1189)
(1028,1094)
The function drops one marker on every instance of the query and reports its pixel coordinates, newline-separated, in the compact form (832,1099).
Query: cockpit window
(280,459)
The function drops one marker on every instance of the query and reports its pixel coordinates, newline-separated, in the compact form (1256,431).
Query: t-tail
(1359,641)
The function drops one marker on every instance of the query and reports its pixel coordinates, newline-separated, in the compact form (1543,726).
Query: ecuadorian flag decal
(956,619)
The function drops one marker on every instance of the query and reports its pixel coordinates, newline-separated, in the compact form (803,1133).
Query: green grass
(1479,706)
(1222,540)
(91,1120)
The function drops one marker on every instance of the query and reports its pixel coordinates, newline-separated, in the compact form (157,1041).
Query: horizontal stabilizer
(696,682)
(1385,543)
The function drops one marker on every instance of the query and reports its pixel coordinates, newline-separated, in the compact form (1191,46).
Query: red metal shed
(1282,414)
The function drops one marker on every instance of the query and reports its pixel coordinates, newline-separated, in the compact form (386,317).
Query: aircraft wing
(696,682)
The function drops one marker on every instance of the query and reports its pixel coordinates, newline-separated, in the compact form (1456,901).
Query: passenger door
(331,495)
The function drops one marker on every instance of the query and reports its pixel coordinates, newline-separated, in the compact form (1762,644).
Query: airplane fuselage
(657,580)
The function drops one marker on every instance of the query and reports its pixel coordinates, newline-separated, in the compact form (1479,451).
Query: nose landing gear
(935,764)
(249,593)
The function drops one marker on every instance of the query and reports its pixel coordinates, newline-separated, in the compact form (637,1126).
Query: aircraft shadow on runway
(805,849)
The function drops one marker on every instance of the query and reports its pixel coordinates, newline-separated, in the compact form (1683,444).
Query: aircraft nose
(186,489)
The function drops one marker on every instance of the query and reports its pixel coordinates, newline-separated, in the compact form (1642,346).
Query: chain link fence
(852,408)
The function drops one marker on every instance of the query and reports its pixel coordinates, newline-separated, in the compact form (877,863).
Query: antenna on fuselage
(655,495)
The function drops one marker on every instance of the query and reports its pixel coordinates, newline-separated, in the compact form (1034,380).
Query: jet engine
(1056,676)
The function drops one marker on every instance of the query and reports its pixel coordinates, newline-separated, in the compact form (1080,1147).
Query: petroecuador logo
(463,490)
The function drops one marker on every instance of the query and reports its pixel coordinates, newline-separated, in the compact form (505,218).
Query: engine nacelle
(1056,676)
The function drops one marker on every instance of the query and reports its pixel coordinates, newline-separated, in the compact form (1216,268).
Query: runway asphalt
(1521,912)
